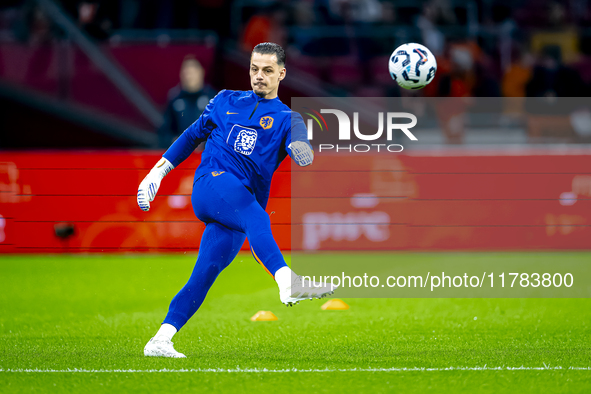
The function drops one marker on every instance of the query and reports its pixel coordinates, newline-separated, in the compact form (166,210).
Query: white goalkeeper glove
(151,183)
(301,153)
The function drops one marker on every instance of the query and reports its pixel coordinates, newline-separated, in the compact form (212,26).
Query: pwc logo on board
(390,119)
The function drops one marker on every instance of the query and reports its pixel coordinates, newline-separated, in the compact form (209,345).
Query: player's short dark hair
(270,48)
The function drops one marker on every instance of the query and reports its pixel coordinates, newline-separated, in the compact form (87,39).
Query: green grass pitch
(95,313)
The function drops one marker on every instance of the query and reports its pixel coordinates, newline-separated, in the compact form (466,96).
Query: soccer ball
(412,65)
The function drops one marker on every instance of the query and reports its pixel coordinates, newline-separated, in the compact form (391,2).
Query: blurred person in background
(266,26)
(304,18)
(457,81)
(486,83)
(356,11)
(514,81)
(32,26)
(432,37)
(552,78)
(518,74)
(95,18)
(186,101)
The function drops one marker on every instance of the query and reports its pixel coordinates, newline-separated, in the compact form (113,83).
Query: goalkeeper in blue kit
(248,134)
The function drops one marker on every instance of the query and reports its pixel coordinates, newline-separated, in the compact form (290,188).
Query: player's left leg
(224,199)
(219,246)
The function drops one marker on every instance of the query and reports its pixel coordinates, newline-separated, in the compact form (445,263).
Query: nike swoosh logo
(231,113)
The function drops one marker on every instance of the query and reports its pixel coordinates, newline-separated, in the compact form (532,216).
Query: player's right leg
(219,246)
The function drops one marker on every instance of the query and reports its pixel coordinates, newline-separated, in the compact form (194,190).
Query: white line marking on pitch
(265,370)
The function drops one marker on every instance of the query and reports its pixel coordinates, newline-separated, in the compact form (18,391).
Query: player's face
(265,75)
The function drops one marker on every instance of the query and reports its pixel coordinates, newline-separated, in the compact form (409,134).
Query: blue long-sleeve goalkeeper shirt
(247,136)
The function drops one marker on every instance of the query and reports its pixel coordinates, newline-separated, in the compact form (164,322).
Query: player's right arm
(176,154)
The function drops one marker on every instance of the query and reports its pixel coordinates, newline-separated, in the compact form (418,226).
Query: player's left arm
(176,154)
(296,144)
(198,132)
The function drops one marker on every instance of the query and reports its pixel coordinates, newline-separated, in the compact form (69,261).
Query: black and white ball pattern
(412,66)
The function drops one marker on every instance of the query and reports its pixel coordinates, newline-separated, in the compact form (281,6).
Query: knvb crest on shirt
(244,139)
(266,122)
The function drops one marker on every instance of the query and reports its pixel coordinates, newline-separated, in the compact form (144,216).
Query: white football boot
(301,289)
(161,347)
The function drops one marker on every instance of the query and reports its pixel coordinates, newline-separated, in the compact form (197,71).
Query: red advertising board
(463,200)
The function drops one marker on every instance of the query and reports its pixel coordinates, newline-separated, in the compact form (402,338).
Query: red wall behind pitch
(96,192)
(457,201)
